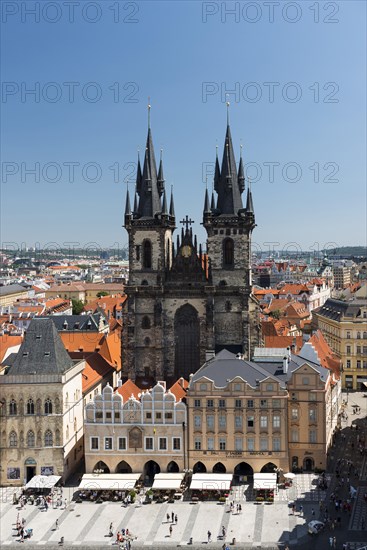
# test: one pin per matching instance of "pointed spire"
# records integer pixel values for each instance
(212, 204)
(149, 203)
(164, 205)
(228, 104)
(206, 202)
(195, 242)
(241, 174)
(228, 189)
(249, 202)
(149, 107)
(135, 202)
(160, 180)
(138, 174)
(172, 205)
(127, 205)
(217, 170)
(178, 242)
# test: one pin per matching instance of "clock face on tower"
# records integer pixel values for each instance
(186, 251)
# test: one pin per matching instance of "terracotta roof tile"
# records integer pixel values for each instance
(178, 389)
(128, 389)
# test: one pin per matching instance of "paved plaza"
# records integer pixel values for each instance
(259, 525)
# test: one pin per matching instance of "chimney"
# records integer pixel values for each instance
(209, 354)
(119, 383)
(285, 364)
(181, 382)
(289, 352)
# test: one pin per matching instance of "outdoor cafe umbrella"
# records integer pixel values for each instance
(289, 475)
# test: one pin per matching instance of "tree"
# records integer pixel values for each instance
(102, 293)
(78, 306)
(276, 314)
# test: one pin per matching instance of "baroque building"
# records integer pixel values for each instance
(185, 304)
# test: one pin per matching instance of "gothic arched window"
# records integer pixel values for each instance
(13, 439)
(147, 254)
(228, 253)
(12, 407)
(30, 406)
(30, 439)
(48, 406)
(48, 438)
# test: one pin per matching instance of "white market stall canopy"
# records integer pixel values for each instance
(42, 482)
(265, 481)
(211, 482)
(167, 481)
(113, 482)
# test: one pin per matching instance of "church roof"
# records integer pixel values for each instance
(42, 351)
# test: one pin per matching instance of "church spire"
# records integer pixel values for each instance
(160, 180)
(148, 190)
(228, 189)
(127, 205)
(172, 205)
(206, 202)
(164, 205)
(249, 202)
(241, 175)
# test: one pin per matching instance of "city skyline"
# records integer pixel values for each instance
(297, 113)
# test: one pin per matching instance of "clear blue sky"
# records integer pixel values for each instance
(169, 53)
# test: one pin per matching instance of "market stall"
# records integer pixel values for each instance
(210, 486)
(107, 486)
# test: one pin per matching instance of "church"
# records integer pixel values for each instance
(186, 304)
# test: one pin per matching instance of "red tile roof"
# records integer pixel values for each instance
(95, 370)
(7, 341)
(327, 357)
(128, 389)
(283, 342)
(178, 388)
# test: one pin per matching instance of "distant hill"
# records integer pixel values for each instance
(347, 251)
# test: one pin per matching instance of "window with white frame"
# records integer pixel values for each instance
(163, 444)
(312, 415)
(294, 414)
(294, 436)
(197, 421)
(276, 421)
(203, 387)
(238, 444)
(108, 444)
(263, 421)
(149, 444)
(197, 443)
(269, 387)
(238, 421)
(176, 443)
(263, 403)
(305, 380)
(263, 443)
(122, 444)
(210, 422)
(250, 444)
(237, 387)
(238, 403)
(312, 436)
(222, 421)
(210, 443)
(197, 403)
(276, 443)
(222, 443)
(222, 403)
(94, 443)
(250, 403)
(210, 403)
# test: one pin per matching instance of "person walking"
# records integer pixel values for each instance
(331, 542)
(168, 517)
(57, 524)
(223, 531)
(176, 519)
(173, 516)
(209, 536)
(170, 530)
(312, 512)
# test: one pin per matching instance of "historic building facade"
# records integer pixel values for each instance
(145, 434)
(182, 302)
(41, 409)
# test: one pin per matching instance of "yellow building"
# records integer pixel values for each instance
(11, 293)
(86, 292)
(260, 416)
(344, 325)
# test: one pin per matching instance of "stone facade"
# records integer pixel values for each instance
(182, 303)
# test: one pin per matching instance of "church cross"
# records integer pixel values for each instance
(187, 222)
